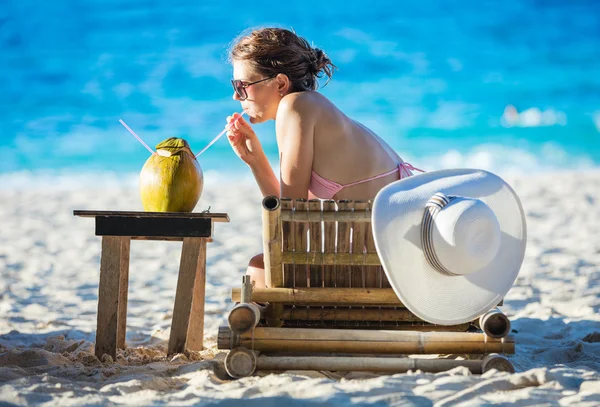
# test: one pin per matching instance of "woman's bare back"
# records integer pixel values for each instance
(346, 151)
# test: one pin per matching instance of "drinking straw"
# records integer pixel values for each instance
(220, 134)
(137, 137)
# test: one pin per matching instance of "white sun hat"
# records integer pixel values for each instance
(451, 242)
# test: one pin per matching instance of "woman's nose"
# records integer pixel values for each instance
(236, 96)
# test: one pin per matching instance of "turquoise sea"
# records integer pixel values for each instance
(437, 79)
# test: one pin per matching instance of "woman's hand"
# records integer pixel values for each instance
(243, 140)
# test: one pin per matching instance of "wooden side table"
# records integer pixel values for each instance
(117, 230)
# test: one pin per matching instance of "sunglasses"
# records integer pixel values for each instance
(240, 87)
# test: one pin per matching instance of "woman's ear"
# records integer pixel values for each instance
(284, 85)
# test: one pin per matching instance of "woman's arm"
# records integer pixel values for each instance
(295, 137)
(265, 176)
(246, 145)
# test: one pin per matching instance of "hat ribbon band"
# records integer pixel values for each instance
(435, 204)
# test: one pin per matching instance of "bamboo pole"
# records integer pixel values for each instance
(272, 242)
(272, 248)
(494, 323)
(323, 296)
(287, 234)
(346, 314)
(343, 246)
(243, 362)
(315, 245)
(328, 215)
(342, 259)
(498, 362)
(379, 364)
(300, 246)
(245, 315)
(419, 326)
(246, 289)
(240, 362)
(329, 231)
(365, 341)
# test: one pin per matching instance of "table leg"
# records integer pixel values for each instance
(195, 333)
(123, 291)
(188, 269)
(112, 263)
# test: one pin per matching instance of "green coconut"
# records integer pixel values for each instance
(171, 180)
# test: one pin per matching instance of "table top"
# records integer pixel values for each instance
(215, 217)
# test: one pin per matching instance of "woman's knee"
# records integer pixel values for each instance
(257, 261)
(256, 271)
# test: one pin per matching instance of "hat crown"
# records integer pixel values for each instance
(465, 235)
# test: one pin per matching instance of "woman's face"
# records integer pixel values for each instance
(263, 97)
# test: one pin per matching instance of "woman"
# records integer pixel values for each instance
(323, 153)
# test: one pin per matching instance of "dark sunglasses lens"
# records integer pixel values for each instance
(238, 86)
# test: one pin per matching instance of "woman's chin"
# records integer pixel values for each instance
(254, 119)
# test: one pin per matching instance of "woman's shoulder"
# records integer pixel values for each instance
(303, 102)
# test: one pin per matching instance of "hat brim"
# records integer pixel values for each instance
(430, 295)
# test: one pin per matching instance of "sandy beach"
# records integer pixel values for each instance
(49, 268)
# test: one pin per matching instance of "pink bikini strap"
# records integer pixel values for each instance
(408, 166)
(371, 178)
(404, 165)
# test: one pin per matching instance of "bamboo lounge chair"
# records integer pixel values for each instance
(329, 306)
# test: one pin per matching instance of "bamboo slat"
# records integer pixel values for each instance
(373, 273)
(323, 296)
(347, 314)
(359, 246)
(300, 245)
(288, 230)
(343, 246)
(315, 246)
(364, 341)
(329, 230)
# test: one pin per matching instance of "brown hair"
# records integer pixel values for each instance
(276, 50)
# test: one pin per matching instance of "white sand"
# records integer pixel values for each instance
(49, 266)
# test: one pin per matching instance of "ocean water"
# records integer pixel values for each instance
(435, 79)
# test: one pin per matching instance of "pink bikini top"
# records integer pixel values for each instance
(323, 188)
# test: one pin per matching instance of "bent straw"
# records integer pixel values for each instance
(137, 137)
(220, 134)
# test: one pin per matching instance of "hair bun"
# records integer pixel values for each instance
(319, 57)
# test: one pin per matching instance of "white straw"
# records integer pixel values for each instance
(137, 137)
(220, 134)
